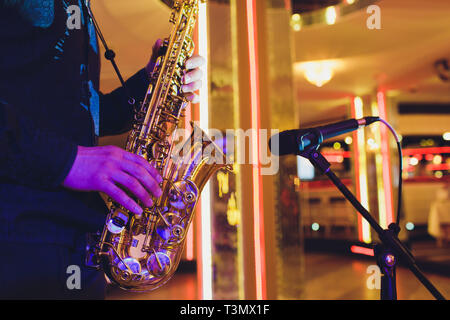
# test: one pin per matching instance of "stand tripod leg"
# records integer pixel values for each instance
(387, 263)
(388, 237)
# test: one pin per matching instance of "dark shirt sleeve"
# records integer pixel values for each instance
(116, 114)
(30, 156)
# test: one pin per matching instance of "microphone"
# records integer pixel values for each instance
(296, 141)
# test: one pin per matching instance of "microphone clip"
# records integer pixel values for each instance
(309, 142)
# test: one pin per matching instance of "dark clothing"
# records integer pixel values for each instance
(46, 271)
(49, 104)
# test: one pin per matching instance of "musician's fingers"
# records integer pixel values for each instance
(195, 61)
(134, 186)
(192, 97)
(121, 197)
(191, 87)
(157, 45)
(155, 53)
(141, 161)
(192, 76)
(143, 176)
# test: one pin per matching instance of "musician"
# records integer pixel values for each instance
(51, 169)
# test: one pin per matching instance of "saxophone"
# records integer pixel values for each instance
(142, 254)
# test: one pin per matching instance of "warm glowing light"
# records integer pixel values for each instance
(437, 159)
(438, 174)
(416, 151)
(318, 73)
(223, 183)
(358, 107)
(297, 27)
(446, 136)
(388, 216)
(337, 146)
(205, 199)
(335, 158)
(441, 166)
(361, 170)
(409, 226)
(373, 145)
(258, 213)
(190, 244)
(190, 233)
(413, 161)
(348, 140)
(233, 214)
(380, 190)
(362, 250)
(350, 1)
(427, 142)
(330, 15)
(296, 22)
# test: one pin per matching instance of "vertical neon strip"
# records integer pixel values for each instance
(258, 212)
(381, 191)
(362, 171)
(381, 99)
(357, 188)
(190, 234)
(206, 250)
(190, 243)
(236, 108)
(198, 221)
(357, 170)
(379, 169)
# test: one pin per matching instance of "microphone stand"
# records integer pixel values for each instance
(390, 248)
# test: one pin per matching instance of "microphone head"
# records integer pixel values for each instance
(285, 142)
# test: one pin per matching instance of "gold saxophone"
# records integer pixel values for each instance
(143, 254)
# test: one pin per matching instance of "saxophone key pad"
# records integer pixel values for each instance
(158, 263)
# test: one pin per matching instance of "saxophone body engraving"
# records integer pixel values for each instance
(143, 254)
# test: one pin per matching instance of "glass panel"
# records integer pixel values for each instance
(283, 115)
(225, 210)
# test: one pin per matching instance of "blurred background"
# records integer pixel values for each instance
(282, 64)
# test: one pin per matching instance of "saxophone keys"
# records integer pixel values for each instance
(163, 232)
(190, 197)
(178, 232)
(130, 264)
(117, 224)
(158, 263)
(182, 194)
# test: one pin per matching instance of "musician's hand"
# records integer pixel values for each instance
(191, 81)
(113, 171)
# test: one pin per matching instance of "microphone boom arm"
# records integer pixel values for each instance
(391, 244)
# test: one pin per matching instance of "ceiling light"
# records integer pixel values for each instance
(296, 22)
(296, 17)
(358, 105)
(318, 72)
(330, 15)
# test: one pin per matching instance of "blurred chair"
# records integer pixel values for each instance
(342, 215)
(439, 217)
(418, 197)
(316, 212)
